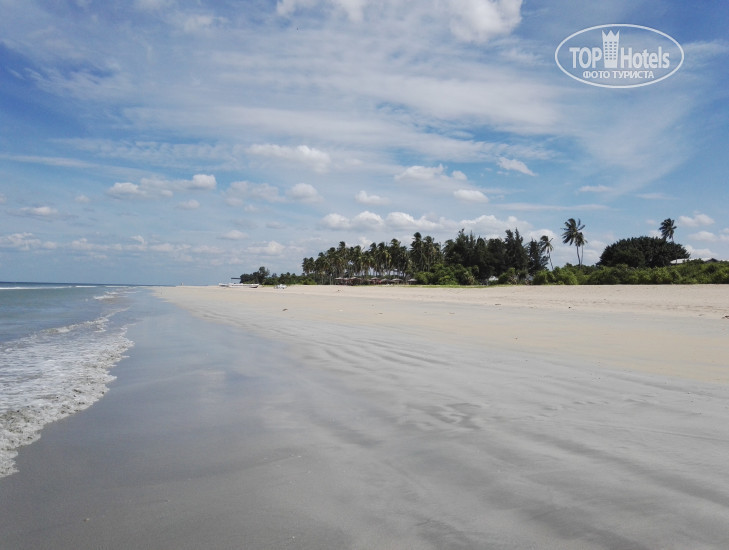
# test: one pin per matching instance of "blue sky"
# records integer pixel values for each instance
(176, 141)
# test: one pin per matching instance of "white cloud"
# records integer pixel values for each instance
(123, 190)
(235, 235)
(39, 211)
(515, 165)
(271, 248)
(367, 219)
(20, 241)
(696, 221)
(708, 236)
(489, 225)
(314, 158)
(201, 181)
(363, 198)
(402, 220)
(161, 188)
(304, 192)
(363, 220)
(192, 204)
(433, 176)
(421, 173)
(257, 191)
(595, 189)
(470, 20)
(470, 195)
(336, 221)
(699, 253)
(481, 20)
(82, 199)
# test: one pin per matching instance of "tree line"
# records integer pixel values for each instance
(468, 260)
(464, 260)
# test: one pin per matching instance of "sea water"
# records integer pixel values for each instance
(58, 343)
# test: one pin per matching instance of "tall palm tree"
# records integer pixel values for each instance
(416, 251)
(545, 243)
(668, 227)
(572, 235)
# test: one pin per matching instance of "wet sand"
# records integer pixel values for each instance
(340, 417)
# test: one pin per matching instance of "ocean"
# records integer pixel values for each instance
(58, 345)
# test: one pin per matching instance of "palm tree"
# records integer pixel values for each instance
(572, 235)
(545, 243)
(668, 227)
(431, 252)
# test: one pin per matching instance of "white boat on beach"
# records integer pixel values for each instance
(238, 285)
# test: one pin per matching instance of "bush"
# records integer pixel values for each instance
(543, 278)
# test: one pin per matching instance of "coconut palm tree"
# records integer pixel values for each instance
(572, 235)
(545, 243)
(668, 227)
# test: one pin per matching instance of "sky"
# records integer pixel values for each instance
(191, 141)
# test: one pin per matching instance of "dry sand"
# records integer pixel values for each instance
(394, 418)
(671, 330)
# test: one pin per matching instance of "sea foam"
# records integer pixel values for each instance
(51, 374)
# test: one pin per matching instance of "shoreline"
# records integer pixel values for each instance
(323, 420)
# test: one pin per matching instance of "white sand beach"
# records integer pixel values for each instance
(671, 330)
(394, 418)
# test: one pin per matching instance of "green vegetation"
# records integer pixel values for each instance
(465, 260)
(691, 272)
(642, 252)
(573, 235)
(471, 260)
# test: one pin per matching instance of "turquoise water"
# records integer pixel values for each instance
(58, 343)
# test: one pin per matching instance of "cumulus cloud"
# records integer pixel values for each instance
(402, 220)
(201, 181)
(317, 160)
(271, 248)
(304, 192)
(695, 221)
(20, 241)
(708, 236)
(39, 212)
(435, 176)
(490, 225)
(367, 220)
(363, 198)
(150, 188)
(335, 221)
(82, 199)
(515, 165)
(470, 195)
(125, 190)
(234, 235)
(363, 220)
